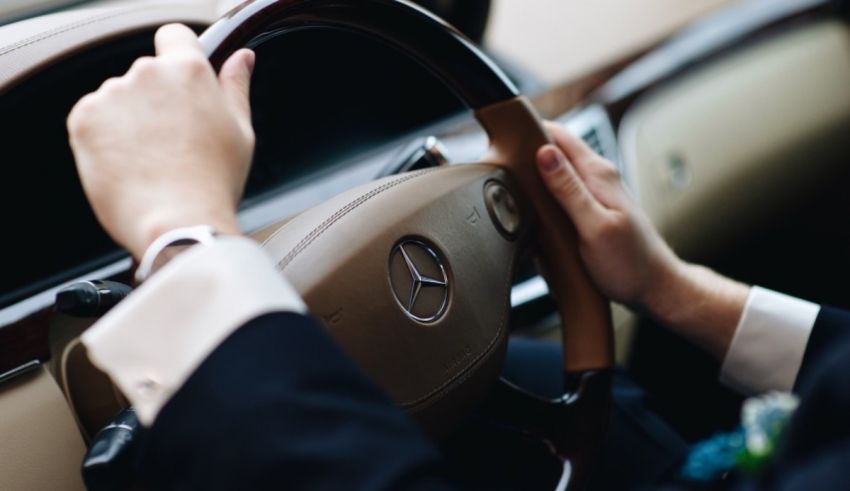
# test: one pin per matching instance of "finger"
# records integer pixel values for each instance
(142, 64)
(568, 188)
(177, 38)
(601, 177)
(78, 118)
(109, 84)
(574, 147)
(577, 151)
(235, 80)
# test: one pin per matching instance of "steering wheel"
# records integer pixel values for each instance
(412, 274)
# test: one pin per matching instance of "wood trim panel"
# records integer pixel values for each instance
(25, 341)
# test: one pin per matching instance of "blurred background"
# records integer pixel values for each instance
(556, 39)
(561, 39)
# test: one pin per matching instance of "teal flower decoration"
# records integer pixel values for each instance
(713, 458)
(749, 447)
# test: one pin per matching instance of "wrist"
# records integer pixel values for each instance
(172, 244)
(700, 304)
(154, 227)
(672, 286)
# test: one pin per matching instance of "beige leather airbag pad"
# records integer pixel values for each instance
(338, 256)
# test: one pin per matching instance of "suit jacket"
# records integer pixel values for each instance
(279, 406)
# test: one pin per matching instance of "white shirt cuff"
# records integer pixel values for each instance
(769, 342)
(151, 343)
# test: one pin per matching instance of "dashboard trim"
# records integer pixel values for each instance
(65, 33)
(20, 370)
(708, 36)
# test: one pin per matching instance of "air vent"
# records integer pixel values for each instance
(594, 127)
(592, 138)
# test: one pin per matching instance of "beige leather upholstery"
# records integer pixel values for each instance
(336, 256)
(562, 40)
(727, 144)
(25, 46)
(41, 447)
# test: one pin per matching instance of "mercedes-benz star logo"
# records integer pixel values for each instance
(419, 281)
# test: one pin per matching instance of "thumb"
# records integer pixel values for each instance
(568, 189)
(235, 80)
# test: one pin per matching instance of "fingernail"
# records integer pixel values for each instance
(550, 160)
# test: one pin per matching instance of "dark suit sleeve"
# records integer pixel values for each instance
(830, 334)
(279, 406)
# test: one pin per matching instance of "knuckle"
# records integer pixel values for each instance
(75, 123)
(551, 127)
(249, 137)
(168, 30)
(81, 115)
(570, 189)
(598, 186)
(110, 85)
(608, 229)
(584, 160)
(111, 88)
(165, 29)
(566, 185)
(144, 66)
(194, 66)
(616, 223)
(560, 184)
(608, 170)
(572, 195)
(587, 159)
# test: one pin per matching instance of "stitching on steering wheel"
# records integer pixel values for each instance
(324, 226)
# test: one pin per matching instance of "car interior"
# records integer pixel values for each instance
(730, 131)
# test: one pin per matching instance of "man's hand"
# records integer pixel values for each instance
(167, 145)
(621, 250)
(624, 254)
